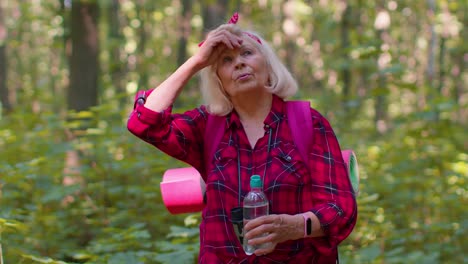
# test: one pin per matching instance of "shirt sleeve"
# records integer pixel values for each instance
(178, 135)
(334, 201)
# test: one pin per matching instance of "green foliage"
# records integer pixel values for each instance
(107, 207)
(417, 174)
(183, 244)
(92, 220)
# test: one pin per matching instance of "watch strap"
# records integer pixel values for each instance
(307, 225)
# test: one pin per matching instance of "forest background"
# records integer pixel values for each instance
(77, 187)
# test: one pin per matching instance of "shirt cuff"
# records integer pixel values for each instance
(327, 214)
(150, 117)
(330, 216)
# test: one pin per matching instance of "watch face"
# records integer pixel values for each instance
(309, 226)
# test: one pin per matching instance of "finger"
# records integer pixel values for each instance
(262, 252)
(231, 41)
(226, 42)
(258, 231)
(235, 40)
(270, 222)
(266, 219)
(253, 232)
(225, 37)
(259, 240)
(211, 52)
(265, 250)
(218, 50)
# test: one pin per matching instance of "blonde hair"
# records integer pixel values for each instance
(281, 82)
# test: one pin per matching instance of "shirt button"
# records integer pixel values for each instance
(141, 101)
(288, 158)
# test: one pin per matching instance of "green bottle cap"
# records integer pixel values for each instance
(255, 181)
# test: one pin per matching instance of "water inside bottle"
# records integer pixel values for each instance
(252, 212)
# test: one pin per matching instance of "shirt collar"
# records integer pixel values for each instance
(272, 120)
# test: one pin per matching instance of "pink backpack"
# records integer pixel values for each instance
(183, 189)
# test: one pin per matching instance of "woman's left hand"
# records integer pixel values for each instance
(280, 228)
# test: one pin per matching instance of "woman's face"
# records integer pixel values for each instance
(243, 69)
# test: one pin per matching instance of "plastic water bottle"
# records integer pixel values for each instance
(255, 205)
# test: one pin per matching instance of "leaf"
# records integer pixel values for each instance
(42, 260)
(369, 198)
(179, 256)
(82, 257)
(58, 193)
(82, 115)
(192, 220)
(365, 52)
(369, 253)
(125, 258)
(406, 85)
(8, 225)
(177, 231)
(396, 68)
(379, 91)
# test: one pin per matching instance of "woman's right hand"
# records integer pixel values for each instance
(215, 43)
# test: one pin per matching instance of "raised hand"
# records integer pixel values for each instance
(216, 42)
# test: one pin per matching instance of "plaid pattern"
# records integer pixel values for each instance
(290, 189)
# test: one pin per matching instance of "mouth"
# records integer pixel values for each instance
(243, 76)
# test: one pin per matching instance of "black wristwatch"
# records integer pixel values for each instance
(307, 225)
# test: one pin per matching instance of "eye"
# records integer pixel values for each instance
(226, 59)
(246, 52)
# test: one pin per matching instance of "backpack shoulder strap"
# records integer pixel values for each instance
(300, 124)
(213, 133)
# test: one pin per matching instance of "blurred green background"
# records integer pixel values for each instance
(77, 187)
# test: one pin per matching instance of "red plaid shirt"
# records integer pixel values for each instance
(288, 185)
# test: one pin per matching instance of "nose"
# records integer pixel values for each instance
(239, 62)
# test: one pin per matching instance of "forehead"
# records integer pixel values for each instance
(248, 39)
(246, 44)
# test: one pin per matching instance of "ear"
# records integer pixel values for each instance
(268, 82)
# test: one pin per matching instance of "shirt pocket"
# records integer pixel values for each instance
(221, 180)
(225, 161)
(285, 181)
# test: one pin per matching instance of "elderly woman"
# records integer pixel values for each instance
(244, 82)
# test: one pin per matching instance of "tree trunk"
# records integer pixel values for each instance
(214, 14)
(83, 90)
(117, 69)
(142, 13)
(345, 43)
(362, 82)
(84, 63)
(84, 67)
(4, 94)
(184, 29)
